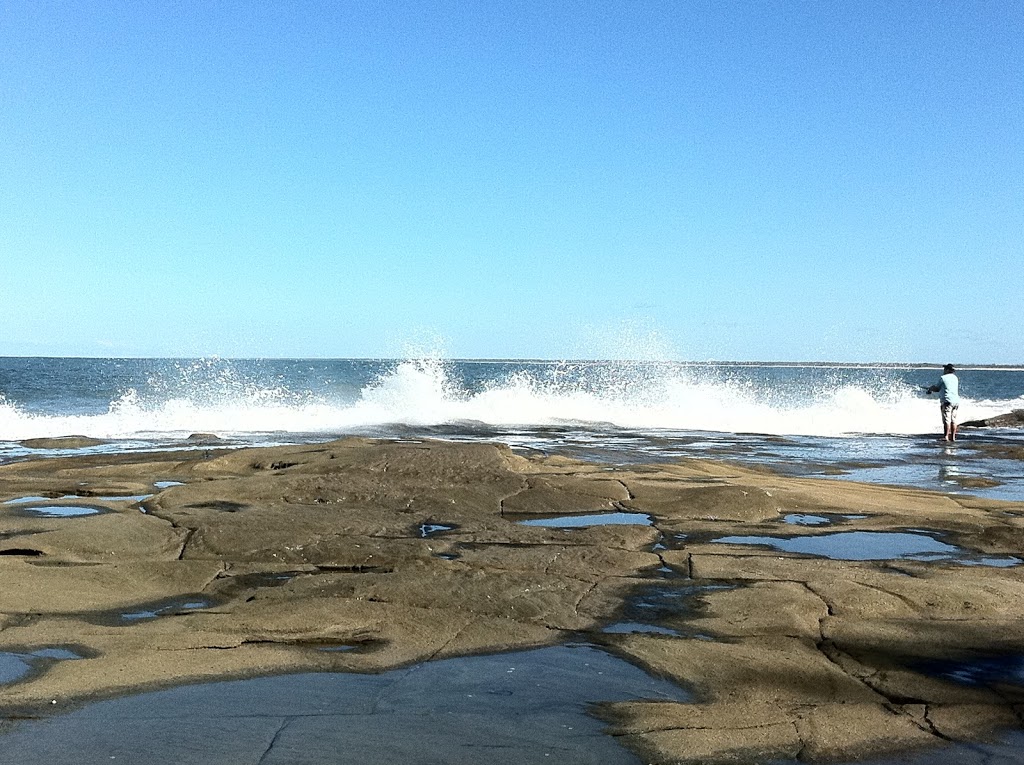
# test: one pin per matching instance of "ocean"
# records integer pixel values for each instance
(859, 422)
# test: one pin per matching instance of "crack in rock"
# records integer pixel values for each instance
(646, 731)
(273, 741)
(831, 653)
(452, 639)
(553, 561)
(503, 500)
(799, 756)
(576, 606)
(184, 543)
(926, 717)
(828, 606)
(902, 598)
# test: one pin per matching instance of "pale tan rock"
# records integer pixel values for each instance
(561, 494)
(857, 730)
(968, 722)
(34, 588)
(405, 552)
(763, 608)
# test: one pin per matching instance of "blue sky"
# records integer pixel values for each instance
(692, 180)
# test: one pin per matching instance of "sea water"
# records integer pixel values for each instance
(864, 422)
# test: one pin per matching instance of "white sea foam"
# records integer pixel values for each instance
(427, 392)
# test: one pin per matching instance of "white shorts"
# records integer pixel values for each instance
(948, 414)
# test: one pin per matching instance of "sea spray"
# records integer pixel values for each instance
(171, 399)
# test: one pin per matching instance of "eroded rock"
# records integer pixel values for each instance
(263, 556)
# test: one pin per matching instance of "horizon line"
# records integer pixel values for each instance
(541, 360)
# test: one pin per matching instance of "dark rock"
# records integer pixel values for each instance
(62, 442)
(204, 438)
(1014, 419)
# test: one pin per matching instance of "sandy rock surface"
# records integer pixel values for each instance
(258, 561)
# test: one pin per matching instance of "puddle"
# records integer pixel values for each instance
(672, 541)
(504, 709)
(118, 498)
(664, 605)
(148, 611)
(621, 628)
(62, 511)
(167, 610)
(231, 586)
(871, 545)
(429, 529)
(983, 672)
(13, 667)
(16, 665)
(30, 500)
(596, 519)
(166, 484)
(823, 519)
(799, 519)
(1006, 561)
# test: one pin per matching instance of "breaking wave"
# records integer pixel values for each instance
(424, 393)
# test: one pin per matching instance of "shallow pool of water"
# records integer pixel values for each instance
(802, 519)
(166, 609)
(872, 545)
(505, 709)
(430, 529)
(151, 610)
(1004, 561)
(853, 545)
(14, 665)
(625, 628)
(595, 519)
(983, 671)
(30, 500)
(61, 511)
(664, 604)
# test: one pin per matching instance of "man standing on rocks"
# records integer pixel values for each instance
(948, 389)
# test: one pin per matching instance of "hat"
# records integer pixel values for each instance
(948, 368)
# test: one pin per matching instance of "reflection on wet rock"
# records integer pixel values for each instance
(869, 545)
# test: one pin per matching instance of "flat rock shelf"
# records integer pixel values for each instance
(335, 577)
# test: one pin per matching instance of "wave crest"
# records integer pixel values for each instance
(435, 392)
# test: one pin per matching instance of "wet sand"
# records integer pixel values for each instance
(361, 556)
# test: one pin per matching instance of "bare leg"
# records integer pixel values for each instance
(947, 422)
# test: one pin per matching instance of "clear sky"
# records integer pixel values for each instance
(700, 180)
